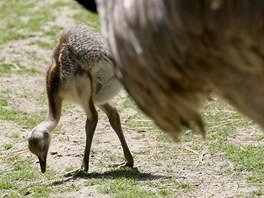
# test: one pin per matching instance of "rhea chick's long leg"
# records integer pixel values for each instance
(90, 125)
(114, 120)
(84, 88)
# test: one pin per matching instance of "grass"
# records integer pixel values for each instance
(13, 135)
(7, 146)
(248, 158)
(21, 117)
(21, 172)
(19, 8)
(6, 69)
(129, 183)
(159, 165)
(125, 188)
(43, 44)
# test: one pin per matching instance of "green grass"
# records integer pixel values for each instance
(6, 69)
(19, 8)
(13, 135)
(247, 158)
(185, 186)
(24, 180)
(129, 183)
(7, 146)
(125, 188)
(16, 182)
(43, 44)
(85, 17)
(30, 17)
(250, 159)
(21, 117)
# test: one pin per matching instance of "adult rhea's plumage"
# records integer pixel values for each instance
(168, 54)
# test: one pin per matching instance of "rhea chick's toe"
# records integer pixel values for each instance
(38, 144)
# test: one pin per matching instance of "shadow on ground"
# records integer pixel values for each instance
(128, 173)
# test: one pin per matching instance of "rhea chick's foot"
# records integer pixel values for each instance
(81, 72)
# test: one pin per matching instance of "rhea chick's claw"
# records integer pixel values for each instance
(81, 72)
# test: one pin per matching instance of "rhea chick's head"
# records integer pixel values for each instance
(38, 144)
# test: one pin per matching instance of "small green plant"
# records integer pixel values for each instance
(184, 186)
(13, 135)
(5, 184)
(7, 146)
(3, 102)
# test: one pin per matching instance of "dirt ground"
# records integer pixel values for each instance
(211, 174)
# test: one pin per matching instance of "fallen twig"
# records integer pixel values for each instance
(200, 155)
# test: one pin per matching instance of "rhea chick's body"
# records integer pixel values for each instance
(81, 72)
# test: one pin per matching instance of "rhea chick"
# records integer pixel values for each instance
(81, 72)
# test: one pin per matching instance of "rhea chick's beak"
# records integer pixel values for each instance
(43, 163)
(38, 144)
